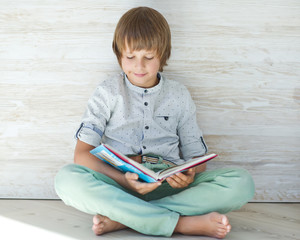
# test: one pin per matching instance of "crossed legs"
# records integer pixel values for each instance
(200, 207)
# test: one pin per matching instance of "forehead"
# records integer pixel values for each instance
(134, 48)
(141, 51)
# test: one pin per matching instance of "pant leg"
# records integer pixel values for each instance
(221, 190)
(95, 193)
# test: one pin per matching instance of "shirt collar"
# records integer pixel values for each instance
(142, 90)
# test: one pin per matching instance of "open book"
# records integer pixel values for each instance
(125, 164)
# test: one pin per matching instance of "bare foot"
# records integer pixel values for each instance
(103, 225)
(213, 225)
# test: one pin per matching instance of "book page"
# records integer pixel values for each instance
(189, 164)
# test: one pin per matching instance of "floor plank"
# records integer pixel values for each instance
(51, 218)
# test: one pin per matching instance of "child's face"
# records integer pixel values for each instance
(141, 67)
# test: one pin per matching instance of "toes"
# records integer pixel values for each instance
(221, 233)
(98, 229)
(96, 219)
(228, 228)
(224, 220)
(220, 218)
(98, 225)
(94, 228)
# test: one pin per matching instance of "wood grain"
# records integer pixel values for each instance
(240, 61)
(267, 221)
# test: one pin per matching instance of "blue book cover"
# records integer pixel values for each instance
(107, 156)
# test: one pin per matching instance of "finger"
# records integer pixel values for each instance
(148, 187)
(181, 177)
(152, 186)
(172, 182)
(175, 183)
(188, 176)
(191, 171)
(180, 180)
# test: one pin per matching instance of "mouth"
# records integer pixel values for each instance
(140, 74)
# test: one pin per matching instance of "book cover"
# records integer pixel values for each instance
(125, 164)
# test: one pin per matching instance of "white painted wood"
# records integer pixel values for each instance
(44, 219)
(239, 59)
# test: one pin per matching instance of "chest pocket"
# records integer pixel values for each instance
(167, 121)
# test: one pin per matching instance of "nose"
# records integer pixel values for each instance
(140, 63)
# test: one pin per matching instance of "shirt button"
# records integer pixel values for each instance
(147, 127)
(145, 91)
(145, 103)
(144, 147)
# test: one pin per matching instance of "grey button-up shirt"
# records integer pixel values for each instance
(160, 120)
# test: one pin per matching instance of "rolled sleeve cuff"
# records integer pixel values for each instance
(194, 149)
(89, 134)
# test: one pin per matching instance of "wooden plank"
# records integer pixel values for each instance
(240, 61)
(274, 169)
(259, 220)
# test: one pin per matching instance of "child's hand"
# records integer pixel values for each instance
(134, 184)
(181, 180)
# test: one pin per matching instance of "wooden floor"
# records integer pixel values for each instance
(51, 219)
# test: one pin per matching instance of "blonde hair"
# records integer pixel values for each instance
(143, 28)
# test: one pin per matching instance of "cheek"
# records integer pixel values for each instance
(124, 64)
(155, 65)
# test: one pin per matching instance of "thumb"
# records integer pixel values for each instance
(131, 176)
(190, 171)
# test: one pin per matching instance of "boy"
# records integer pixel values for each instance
(140, 113)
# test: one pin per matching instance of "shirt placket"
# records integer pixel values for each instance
(146, 122)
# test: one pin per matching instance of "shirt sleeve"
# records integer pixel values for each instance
(96, 116)
(190, 136)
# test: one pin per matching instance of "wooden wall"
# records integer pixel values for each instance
(239, 59)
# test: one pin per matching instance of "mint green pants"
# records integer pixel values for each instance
(155, 213)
